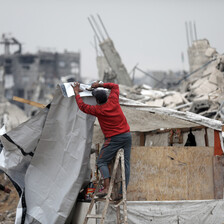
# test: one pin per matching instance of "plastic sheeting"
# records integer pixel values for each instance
(47, 158)
(172, 212)
(188, 116)
(184, 117)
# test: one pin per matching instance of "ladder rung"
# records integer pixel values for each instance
(99, 199)
(94, 216)
(110, 200)
(119, 203)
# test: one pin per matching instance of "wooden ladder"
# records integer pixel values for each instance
(107, 199)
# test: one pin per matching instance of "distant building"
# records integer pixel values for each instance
(31, 76)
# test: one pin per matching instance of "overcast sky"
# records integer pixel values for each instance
(151, 33)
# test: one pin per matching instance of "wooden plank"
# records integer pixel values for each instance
(218, 168)
(94, 216)
(32, 103)
(171, 173)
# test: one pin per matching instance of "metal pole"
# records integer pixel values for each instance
(103, 26)
(94, 30)
(186, 26)
(191, 34)
(97, 27)
(195, 31)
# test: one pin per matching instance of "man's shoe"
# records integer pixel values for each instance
(101, 194)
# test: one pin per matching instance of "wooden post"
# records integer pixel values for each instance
(32, 103)
(218, 176)
(142, 139)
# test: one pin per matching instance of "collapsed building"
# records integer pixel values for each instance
(200, 92)
(110, 65)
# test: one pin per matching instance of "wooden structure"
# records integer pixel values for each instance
(108, 199)
(175, 173)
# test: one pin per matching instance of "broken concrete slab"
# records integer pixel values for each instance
(197, 83)
(154, 94)
(155, 103)
(210, 52)
(200, 106)
(184, 107)
(215, 75)
(204, 97)
(176, 99)
(209, 70)
(205, 88)
(183, 95)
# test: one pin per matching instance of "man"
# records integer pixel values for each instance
(114, 127)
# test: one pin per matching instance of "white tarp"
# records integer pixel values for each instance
(170, 212)
(47, 158)
(2, 130)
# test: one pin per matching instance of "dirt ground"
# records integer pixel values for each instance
(8, 202)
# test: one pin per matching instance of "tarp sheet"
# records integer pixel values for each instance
(47, 158)
(170, 212)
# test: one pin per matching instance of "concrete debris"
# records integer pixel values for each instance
(197, 83)
(176, 99)
(196, 54)
(210, 52)
(205, 88)
(118, 71)
(200, 105)
(215, 75)
(155, 103)
(201, 93)
(154, 94)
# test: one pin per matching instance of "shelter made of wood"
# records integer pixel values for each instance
(162, 167)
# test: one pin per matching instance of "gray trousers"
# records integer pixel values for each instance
(109, 150)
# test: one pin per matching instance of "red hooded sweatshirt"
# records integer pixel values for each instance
(111, 118)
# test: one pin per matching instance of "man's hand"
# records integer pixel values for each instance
(76, 88)
(96, 85)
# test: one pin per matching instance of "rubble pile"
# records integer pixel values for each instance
(153, 97)
(201, 92)
(207, 92)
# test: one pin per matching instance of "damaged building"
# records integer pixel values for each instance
(201, 91)
(34, 76)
